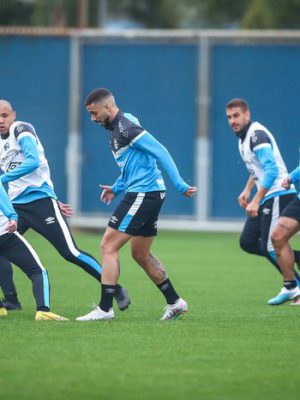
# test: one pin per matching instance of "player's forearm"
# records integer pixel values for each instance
(259, 195)
(31, 162)
(118, 186)
(249, 185)
(266, 158)
(6, 206)
(150, 145)
(295, 175)
(27, 166)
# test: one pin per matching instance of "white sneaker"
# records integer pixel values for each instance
(284, 295)
(173, 311)
(97, 314)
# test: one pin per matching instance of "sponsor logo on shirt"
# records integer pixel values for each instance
(10, 155)
(121, 129)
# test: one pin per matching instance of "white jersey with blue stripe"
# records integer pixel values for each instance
(23, 161)
(263, 160)
(136, 152)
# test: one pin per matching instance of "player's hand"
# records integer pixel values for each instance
(252, 209)
(12, 226)
(286, 183)
(107, 194)
(66, 209)
(243, 199)
(190, 191)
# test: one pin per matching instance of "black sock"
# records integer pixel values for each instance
(43, 308)
(168, 291)
(107, 297)
(12, 297)
(290, 284)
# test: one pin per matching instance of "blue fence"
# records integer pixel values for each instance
(157, 82)
(34, 77)
(268, 77)
(150, 83)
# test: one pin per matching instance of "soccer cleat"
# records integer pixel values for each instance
(49, 316)
(97, 314)
(122, 298)
(3, 311)
(284, 295)
(11, 306)
(173, 311)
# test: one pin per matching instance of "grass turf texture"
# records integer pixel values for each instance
(231, 345)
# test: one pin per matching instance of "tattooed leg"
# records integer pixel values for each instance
(140, 250)
(155, 269)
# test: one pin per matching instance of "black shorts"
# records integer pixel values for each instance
(259, 229)
(137, 214)
(292, 210)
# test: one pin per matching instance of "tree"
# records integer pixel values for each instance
(272, 14)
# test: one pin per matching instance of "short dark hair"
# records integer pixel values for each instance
(97, 95)
(238, 103)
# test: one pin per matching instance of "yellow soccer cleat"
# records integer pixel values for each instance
(49, 316)
(3, 312)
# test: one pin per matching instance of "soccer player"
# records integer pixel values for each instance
(136, 152)
(26, 171)
(266, 167)
(288, 224)
(17, 250)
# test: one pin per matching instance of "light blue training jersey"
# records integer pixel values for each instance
(137, 152)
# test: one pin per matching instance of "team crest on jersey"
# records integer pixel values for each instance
(6, 146)
(20, 128)
(254, 139)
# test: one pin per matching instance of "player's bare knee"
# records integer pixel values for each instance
(106, 248)
(277, 239)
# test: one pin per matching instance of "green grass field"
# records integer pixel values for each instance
(231, 345)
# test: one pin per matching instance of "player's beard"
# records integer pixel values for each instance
(105, 123)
